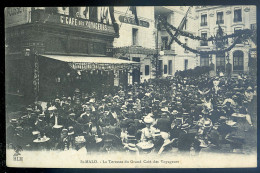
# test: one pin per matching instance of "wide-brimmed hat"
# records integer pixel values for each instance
(64, 131)
(116, 97)
(123, 107)
(29, 109)
(185, 126)
(223, 118)
(80, 139)
(14, 121)
(148, 120)
(71, 130)
(131, 146)
(19, 128)
(87, 108)
(164, 114)
(57, 100)
(175, 112)
(249, 88)
(207, 123)
(165, 109)
(41, 116)
(145, 145)
(52, 108)
(186, 114)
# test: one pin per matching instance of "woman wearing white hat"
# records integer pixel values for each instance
(147, 133)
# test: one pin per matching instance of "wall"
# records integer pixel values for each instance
(248, 18)
(181, 54)
(145, 37)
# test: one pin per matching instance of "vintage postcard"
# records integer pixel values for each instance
(131, 86)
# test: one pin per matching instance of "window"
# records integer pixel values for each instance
(186, 64)
(237, 15)
(93, 14)
(147, 70)
(161, 27)
(253, 26)
(203, 20)
(134, 35)
(204, 43)
(170, 67)
(136, 59)
(165, 69)
(160, 67)
(73, 11)
(220, 62)
(132, 9)
(238, 60)
(204, 60)
(220, 18)
(237, 30)
(164, 43)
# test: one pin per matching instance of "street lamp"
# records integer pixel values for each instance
(161, 53)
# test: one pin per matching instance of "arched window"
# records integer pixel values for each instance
(238, 60)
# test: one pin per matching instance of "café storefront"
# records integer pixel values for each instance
(50, 54)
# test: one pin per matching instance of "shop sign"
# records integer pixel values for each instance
(16, 16)
(65, 20)
(82, 23)
(132, 21)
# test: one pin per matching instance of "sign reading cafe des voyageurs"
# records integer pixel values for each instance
(21, 15)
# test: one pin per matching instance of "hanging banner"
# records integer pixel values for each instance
(16, 16)
(132, 21)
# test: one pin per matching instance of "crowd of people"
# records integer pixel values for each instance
(174, 115)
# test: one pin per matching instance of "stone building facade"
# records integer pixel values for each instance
(136, 40)
(181, 58)
(230, 19)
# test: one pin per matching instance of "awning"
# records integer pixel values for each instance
(94, 63)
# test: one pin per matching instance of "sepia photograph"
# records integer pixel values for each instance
(131, 86)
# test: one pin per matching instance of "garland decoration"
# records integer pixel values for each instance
(241, 34)
(191, 36)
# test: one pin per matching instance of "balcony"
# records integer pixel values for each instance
(220, 22)
(204, 24)
(237, 20)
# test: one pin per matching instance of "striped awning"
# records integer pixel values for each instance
(94, 63)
